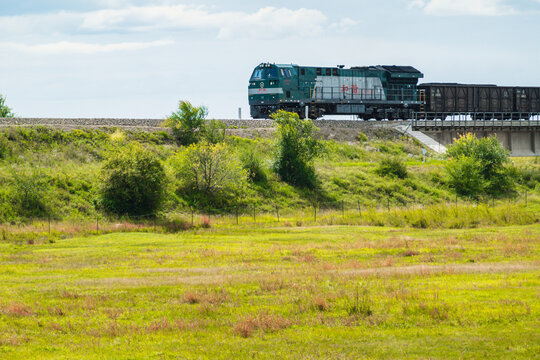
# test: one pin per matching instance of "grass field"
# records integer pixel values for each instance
(249, 292)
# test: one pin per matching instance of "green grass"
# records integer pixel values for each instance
(272, 291)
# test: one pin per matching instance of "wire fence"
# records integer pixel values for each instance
(342, 212)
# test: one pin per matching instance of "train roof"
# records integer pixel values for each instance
(457, 84)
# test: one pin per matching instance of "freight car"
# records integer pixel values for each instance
(506, 102)
(379, 92)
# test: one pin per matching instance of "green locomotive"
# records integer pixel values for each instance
(379, 92)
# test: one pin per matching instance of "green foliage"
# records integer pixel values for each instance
(296, 149)
(361, 137)
(209, 174)
(392, 167)
(30, 194)
(5, 111)
(530, 178)
(133, 182)
(215, 131)
(187, 123)
(478, 166)
(465, 177)
(253, 164)
(5, 148)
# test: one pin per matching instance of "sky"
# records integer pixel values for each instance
(139, 58)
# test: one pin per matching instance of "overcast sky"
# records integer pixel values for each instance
(138, 58)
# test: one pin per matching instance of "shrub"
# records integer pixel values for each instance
(296, 149)
(209, 172)
(215, 131)
(187, 123)
(392, 167)
(133, 182)
(253, 164)
(464, 177)
(361, 137)
(30, 195)
(478, 166)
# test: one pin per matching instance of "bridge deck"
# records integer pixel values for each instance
(456, 124)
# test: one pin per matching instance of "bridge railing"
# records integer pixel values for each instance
(475, 120)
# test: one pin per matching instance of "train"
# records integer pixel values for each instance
(379, 92)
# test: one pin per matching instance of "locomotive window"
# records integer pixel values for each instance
(282, 73)
(257, 74)
(271, 73)
(319, 71)
(328, 72)
(334, 72)
(303, 71)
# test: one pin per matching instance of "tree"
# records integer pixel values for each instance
(188, 123)
(478, 166)
(210, 170)
(296, 149)
(133, 182)
(5, 111)
(30, 194)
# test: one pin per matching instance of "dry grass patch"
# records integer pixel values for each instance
(17, 310)
(264, 322)
(213, 297)
(320, 304)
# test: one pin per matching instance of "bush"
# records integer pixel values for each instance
(361, 137)
(296, 149)
(215, 131)
(253, 164)
(133, 182)
(478, 166)
(209, 172)
(187, 123)
(392, 167)
(30, 195)
(465, 177)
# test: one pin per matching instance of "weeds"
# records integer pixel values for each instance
(264, 322)
(360, 304)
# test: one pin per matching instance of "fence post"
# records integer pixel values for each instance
(49, 217)
(359, 209)
(342, 208)
(526, 198)
(388, 204)
(236, 214)
(97, 223)
(315, 210)
(192, 215)
(277, 212)
(254, 216)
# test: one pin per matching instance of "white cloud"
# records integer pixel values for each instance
(266, 23)
(464, 7)
(85, 48)
(344, 25)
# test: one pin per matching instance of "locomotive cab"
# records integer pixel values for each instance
(269, 85)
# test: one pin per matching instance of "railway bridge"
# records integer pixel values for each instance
(521, 137)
